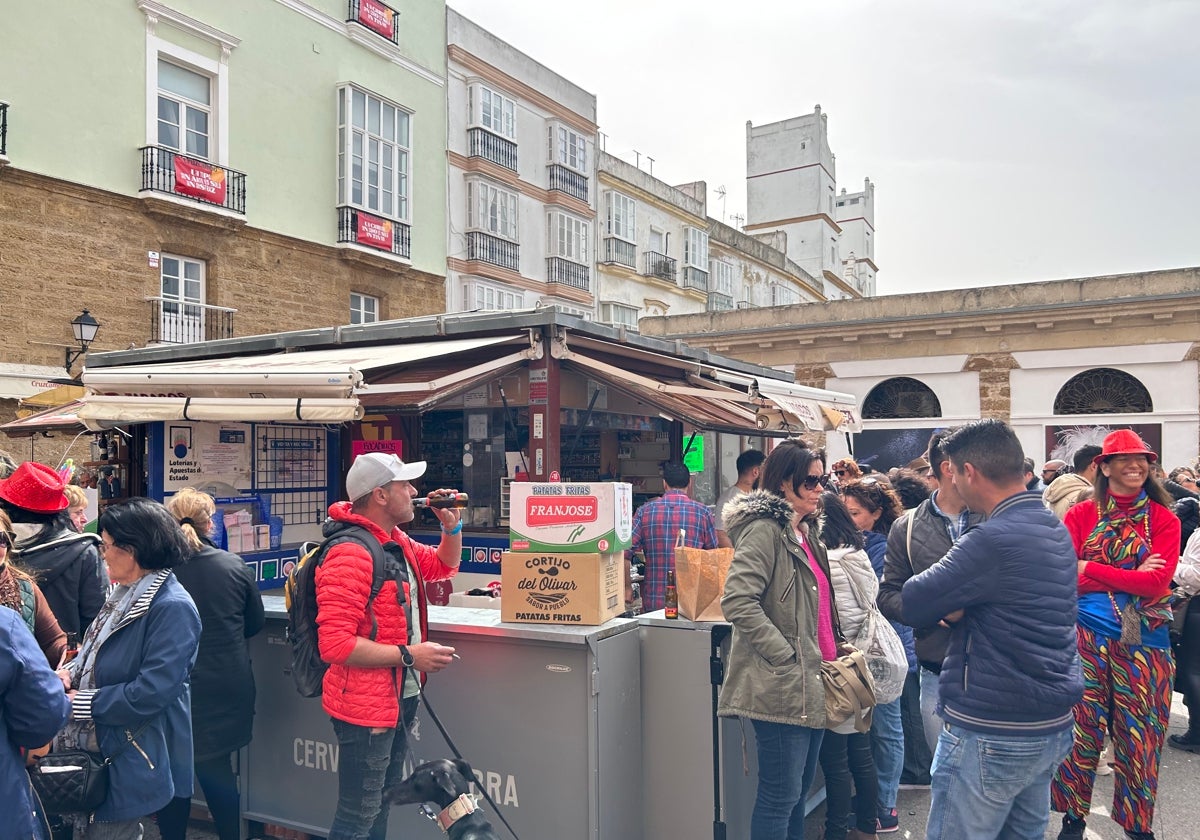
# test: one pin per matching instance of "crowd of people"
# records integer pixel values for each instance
(1043, 615)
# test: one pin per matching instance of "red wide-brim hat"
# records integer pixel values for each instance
(1124, 442)
(34, 487)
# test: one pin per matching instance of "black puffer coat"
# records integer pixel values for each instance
(68, 570)
(231, 611)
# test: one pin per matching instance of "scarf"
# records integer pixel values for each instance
(10, 592)
(1121, 539)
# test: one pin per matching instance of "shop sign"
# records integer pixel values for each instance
(377, 17)
(361, 447)
(199, 180)
(374, 231)
(539, 386)
(693, 456)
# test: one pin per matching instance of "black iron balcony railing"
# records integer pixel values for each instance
(568, 181)
(167, 171)
(492, 147)
(371, 231)
(380, 18)
(619, 251)
(3, 129)
(492, 249)
(659, 265)
(573, 274)
(695, 278)
(179, 322)
(719, 302)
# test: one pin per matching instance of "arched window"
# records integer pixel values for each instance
(900, 397)
(1103, 391)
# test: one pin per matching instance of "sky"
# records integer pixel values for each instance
(1009, 142)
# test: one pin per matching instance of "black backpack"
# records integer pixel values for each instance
(300, 596)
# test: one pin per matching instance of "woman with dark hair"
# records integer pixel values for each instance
(231, 611)
(1127, 541)
(846, 760)
(779, 601)
(129, 685)
(874, 507)
(65, 563)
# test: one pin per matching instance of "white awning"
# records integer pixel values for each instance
(99, 412)
(20, 381)
(336, 373)
(813, 408)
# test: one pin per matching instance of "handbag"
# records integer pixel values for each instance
(75, 781)
(849, 690)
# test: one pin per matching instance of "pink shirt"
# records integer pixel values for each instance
(825, 637)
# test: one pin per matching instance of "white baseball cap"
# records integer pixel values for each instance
(375, 469)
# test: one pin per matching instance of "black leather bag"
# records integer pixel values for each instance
(71, 782)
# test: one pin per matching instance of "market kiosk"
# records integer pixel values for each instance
(269, 425)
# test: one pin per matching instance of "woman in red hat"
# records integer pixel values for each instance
(65, 563)
(1127, 540)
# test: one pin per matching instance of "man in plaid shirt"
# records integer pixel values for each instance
(656, 527)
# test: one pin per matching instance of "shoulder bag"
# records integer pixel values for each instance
(75, 781)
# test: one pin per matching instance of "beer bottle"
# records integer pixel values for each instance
(444, 501)
(671, 602)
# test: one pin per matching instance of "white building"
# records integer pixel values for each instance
(521, 193)
(855, 214)
(791, 180)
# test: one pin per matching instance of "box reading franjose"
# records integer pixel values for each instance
(569, 517)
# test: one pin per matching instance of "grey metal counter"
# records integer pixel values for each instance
(546, 715)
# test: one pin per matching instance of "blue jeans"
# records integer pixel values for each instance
(993, 786)
(929, 716)
(887, 743)
(367, 763)
(787, 761)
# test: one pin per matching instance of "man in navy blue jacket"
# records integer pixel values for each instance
(1011, 674)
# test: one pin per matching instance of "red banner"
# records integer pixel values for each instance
(374, 231)
(199, 180)
(378, 17)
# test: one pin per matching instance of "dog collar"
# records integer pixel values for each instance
(456, 810)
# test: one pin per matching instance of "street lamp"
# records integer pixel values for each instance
(85, 328)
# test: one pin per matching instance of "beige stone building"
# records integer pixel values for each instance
(1054, 359)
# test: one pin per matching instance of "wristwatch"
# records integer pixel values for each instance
(406, 657)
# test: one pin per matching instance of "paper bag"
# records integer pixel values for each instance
(700, 581)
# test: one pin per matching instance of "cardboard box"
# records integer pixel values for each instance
(568, 517)
(462, 599)
(561, 588)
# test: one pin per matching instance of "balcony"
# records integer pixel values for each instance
(694, 278)
(380, 18)
(573, 274)
(620, 252)
(493, 147)
(719, 302)
(568, 181)
(362, 228)
(3, 132)
(494, 250)
(167, 171)
(180, 322)
(658, 265)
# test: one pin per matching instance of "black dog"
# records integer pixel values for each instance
(443, 782)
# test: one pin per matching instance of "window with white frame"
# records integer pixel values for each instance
(493, 111)
(568, 148)
(364, 309)
(782, 295)
(492, 209)
(622, 216)
(567, 237)
(181, 317)
(695, 248)
(720, 274)
(374, 153)
(485, 297)
(619, 314)
(184, 110)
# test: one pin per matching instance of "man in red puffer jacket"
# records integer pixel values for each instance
(370, 690)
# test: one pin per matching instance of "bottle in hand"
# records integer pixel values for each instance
(671, 600)
(445, 500)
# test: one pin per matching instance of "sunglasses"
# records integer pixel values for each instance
(811, 482)
(6, 539)
(840, 473)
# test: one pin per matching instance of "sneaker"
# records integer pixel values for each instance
(1072, 829)
(888, 823)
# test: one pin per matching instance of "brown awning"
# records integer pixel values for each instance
(60, 418)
